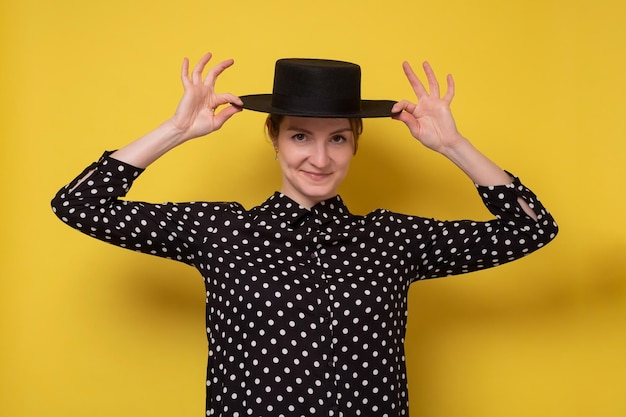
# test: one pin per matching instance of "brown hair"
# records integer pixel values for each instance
(272, 125)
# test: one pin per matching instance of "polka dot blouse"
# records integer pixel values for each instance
(306, 309)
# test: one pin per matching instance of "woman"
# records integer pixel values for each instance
(306, 302)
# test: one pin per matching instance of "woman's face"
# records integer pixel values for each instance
(314, 156)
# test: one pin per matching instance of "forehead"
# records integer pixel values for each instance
(314, 124)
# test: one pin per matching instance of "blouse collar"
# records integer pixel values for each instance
(283, 207)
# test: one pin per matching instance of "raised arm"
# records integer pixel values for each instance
(195, 115)
(431, 122)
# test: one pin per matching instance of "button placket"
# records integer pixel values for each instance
(322, 240)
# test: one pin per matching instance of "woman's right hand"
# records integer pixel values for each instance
(196, 113)
(194, 117)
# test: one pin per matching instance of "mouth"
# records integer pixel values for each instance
(317, 176)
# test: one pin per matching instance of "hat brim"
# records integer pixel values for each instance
(369, 108)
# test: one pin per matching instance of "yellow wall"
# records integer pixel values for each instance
(92, 330)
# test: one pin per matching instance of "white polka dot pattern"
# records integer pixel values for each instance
(306, 309)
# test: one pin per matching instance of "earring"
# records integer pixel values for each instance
(276, 156)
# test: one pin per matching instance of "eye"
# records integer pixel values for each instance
(338, 139)
(298, 137)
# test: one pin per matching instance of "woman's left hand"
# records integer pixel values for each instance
(432, 123)
(430, 120)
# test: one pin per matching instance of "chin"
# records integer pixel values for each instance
(317, 197)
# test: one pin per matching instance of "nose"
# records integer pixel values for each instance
(320, 157)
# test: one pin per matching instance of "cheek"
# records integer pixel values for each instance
(289, 151)
(345, 157)
(281, 144)
(288, 156)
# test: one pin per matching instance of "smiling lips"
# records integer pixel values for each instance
(316, 176)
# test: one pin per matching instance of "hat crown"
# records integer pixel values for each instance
(317, 86)
(311, 87)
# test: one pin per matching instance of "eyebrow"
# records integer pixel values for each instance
(300, 129)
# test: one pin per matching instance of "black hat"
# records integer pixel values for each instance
(317, 88)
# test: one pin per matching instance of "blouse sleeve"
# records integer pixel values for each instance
(456, 247)
(92, 204)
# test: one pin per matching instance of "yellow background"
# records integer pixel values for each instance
(92, 330)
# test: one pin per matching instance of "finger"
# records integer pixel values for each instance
(196, 75)
(417, 85)
(410, 122)
(184, 73)
(403, 105)
(227, 98)
(450, 91)
(433, 84)
(215, 72)
(221, 117)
